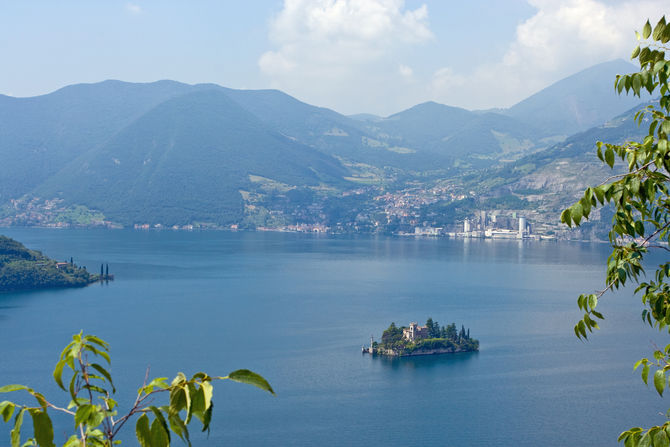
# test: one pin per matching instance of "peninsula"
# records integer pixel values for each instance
(24, 269)
(430, 339)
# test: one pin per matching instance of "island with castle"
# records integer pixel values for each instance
(430, 339)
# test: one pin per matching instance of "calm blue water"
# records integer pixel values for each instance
(297, 308)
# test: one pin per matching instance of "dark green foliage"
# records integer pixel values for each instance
(23, 269)
(391, 335)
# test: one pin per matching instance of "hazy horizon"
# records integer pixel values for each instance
(378, 56)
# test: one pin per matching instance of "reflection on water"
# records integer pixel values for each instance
(446, 361)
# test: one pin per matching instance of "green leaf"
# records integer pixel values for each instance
(15, 435)
(161, 419)
(636, 52)
(661, 439)
(207, 417)
(44, 431)
(639, 228)
(593, 301)
(658, 29)
(82, 414)
(105, 373)
(177, 425)
(58, 374)
(600, 194)
(92, 338)
(73, 441)
(645, 441)
(646, 30)
(208, 391)
(73, 393)
(250, 378)
(645, 374)
(158, 382)
(197, 402)
(609, 157)
(97, 351)
(10, 388)
(6, 410)
(178, 400)
(565, 217)
(659, 381)
(576, 213)
(160, 437)
(143, 431)
(637, 83)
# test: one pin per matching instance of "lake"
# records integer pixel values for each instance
(297, 309)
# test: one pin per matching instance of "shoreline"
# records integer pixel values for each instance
(317, 233)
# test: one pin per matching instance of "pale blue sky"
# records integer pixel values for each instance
(376, 56)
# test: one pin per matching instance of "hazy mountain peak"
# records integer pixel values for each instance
(578, 102)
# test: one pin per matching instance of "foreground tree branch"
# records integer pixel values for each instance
(641, 219)
(94, 409)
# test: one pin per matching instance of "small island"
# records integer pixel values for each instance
(24, 269)
(430, 339)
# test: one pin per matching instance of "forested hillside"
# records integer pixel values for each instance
(23, 269)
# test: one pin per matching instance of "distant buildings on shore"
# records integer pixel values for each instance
(487, 226)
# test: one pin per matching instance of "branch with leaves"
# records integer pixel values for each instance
(641, 219)
(95, 412)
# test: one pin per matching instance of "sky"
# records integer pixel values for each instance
(354, 56)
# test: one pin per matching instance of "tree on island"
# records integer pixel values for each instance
(641, 221)
(95, 413)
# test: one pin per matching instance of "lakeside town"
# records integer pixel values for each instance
(442, 210)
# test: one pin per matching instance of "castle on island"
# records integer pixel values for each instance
(414, 332)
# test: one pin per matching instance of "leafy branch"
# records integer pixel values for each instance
(94, 410)
(641, 219)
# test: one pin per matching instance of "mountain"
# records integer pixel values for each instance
(186, 161)
(40, 135)
(175, 154)
(318, 127)
(454, 135)
(578, 102)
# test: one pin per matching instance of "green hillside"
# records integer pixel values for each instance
(186, 161)
(40, 135)
(23, 269)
